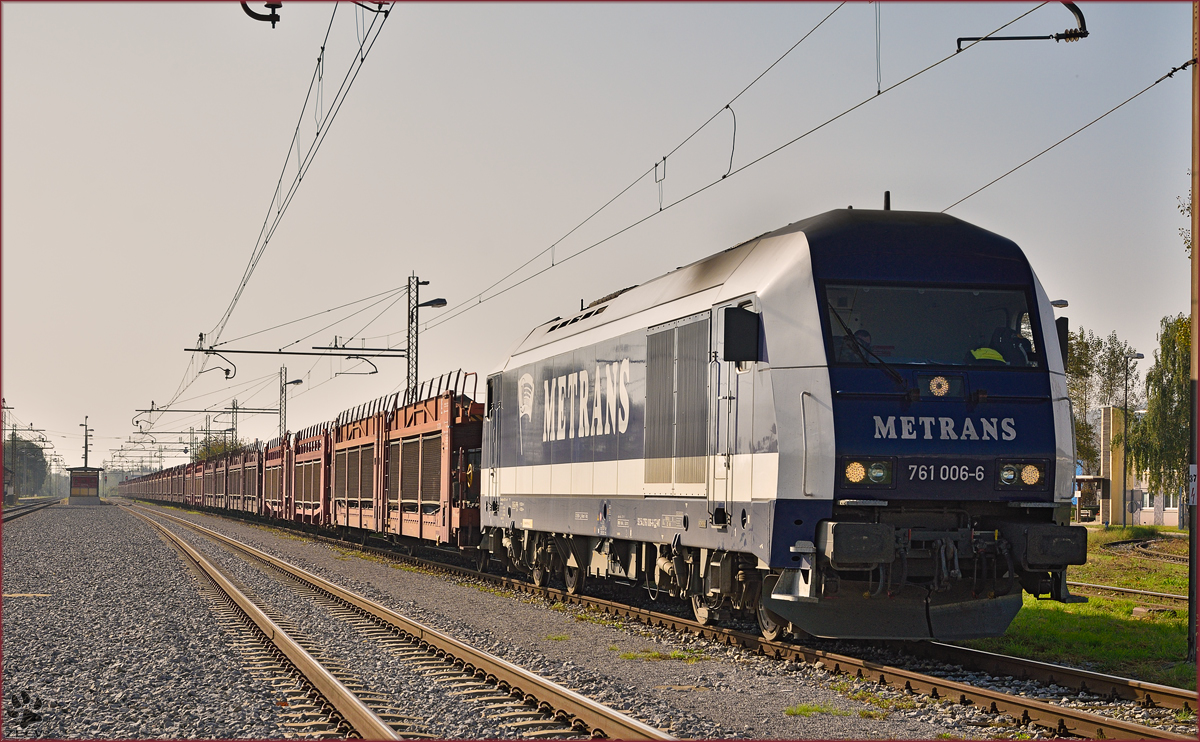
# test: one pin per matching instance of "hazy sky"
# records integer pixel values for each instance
(142, 144)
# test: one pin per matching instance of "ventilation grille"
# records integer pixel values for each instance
(431, 468)
(677, 404)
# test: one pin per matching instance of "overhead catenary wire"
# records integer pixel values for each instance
(266, 234)
(280, 200)
(483, 296)
(551, 248)
(263, 238)
(479, 299)
(285, 201)
(1180, 68)
(878, 59)
(403, 293)
(387, 293)
(228, 391)
(253, 388)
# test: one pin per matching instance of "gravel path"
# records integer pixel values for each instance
(105, 636)
(697, 688)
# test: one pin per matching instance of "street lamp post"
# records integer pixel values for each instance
(415, 303)
(86, 431)
(283, 392)
(1125, 441)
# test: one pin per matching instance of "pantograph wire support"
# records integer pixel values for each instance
(732, 149)
(374, 368)
(273, 17)
(1071, 34)
(659, 180)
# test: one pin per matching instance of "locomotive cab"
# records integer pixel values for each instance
(953, 455)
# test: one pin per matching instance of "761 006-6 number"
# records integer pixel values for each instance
(945, 473)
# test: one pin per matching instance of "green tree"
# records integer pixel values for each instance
(215, 447)
(28, 464)
(1083, 351)
(1095, 378)
(1111, 365)
(1158, 443)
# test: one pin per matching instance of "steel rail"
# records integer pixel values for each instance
(599, 720)
(365, 722)
(1061, 719)
(1169, 596)
(17, 512)
(1148, 695)
(1140, 547)
(1144, 550)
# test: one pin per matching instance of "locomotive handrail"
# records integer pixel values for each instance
(804, 438)
(870, 395)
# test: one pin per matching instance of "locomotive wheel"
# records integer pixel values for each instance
(540, 576)
(482, 557)
(704, 609)
(772, 626)
(573, 577)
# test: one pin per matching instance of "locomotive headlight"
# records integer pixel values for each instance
(1008, 474)
(1022, 474)
(879, 472)
(1030, 474)
(855, 472)
(867, 472)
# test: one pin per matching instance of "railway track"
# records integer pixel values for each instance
(16, 512)
(345, 712)
(515, 698)
(1142, 548)
(1103, 590)
(1061, 719)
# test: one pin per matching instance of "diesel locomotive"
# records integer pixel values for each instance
(855, 426)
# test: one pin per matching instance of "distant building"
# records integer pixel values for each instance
(1140, 506)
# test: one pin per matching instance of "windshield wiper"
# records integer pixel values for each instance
(859, 348)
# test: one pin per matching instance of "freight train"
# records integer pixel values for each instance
(855, 426)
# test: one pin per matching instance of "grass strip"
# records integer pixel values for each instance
(808, 709)
(1101, 635)
(687, 656)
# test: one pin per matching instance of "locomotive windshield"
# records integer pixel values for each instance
(926, 325)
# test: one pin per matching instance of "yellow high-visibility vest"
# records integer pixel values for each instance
(987, 354)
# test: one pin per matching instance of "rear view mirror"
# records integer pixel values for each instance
(1064, 337)
(741, 335)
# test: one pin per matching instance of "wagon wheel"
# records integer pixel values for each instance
(573, 577)
(540, 576)
(705, 608)
(771, 624)
(482, 557)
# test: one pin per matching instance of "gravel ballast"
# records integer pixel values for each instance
(440, 714)
(106, 636)
(696, 688)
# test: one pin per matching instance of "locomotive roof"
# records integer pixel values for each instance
(858, 244)
(929, 247)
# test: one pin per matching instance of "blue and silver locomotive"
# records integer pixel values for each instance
(855, 426)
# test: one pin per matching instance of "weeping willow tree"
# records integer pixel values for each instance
(1158, 443)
